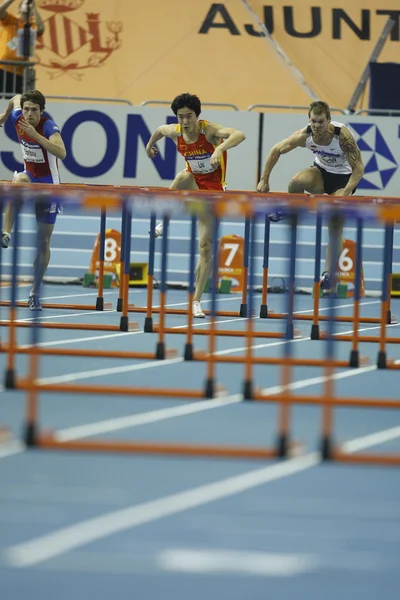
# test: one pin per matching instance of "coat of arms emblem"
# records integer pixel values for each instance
(72, 43)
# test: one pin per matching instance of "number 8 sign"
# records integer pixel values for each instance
(112, 252)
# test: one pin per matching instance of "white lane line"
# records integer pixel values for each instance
(58, 316)
(372, 439)
(261, 564)
(65, 539)
(117, 424)
(46, 547)
(10, 448)
(100, 427)
(110, 371)
(75, 376)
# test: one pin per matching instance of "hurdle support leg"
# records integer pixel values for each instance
(326, 448)
(315, 332)
(243, 312)
(264, 302)
(9, 380)
(282, 445)
(100, 294)
(30, 436)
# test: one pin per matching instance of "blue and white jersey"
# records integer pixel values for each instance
(331, 158)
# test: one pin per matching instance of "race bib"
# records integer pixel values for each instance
(201, 164)
(33, 154)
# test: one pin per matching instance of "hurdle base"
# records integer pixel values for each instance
(9, 381)
(326, 448)
(381, 362)
(264, 311)
(188, 353)
(248, 390)
(354, 360)
(289, 331)
(243, 310)
(282, 446)
(30, 435)
(120, 303)
(160, 351)
(314, 332)
(148, 325)
(100, 304)
(209, 388)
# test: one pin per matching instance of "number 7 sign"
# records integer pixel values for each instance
(230, 260)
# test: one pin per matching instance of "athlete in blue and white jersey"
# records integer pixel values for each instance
(337, 167)
(42, 146)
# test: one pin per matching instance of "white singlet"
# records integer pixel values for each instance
(331, 158)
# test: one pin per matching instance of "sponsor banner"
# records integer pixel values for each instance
(106, 145)
(378, 139)
(219, 50)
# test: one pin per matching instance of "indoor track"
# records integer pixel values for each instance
(98, 525)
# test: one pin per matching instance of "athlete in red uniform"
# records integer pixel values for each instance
(203, 146)
(41, 146)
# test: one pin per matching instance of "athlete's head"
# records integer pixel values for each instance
(32, 104)
(187, 108)
(320, 117)
(187, 101)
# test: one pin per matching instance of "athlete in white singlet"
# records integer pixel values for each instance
(337, 168)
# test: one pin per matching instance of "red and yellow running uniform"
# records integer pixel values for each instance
(197, 157)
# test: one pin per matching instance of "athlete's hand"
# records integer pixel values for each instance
(152, 151)
(216, 157)
(3, 118)
(263, 186)
(27, 128)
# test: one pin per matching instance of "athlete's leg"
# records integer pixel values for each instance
(11, 210)
(204, 264)
(183, 181)
(335, 243)
(308, 180)
(43, 236)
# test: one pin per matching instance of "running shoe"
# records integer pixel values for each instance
(325, 282)
(34, 302)
(197, 312)
(5, 239)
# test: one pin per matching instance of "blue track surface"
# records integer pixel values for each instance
(100, 525)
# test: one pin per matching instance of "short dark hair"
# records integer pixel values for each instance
(34, 96)
(320, 107)
(186, 101)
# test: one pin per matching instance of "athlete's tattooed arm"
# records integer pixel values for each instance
(353, 155)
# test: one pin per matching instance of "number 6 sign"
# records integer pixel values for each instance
(346, 267)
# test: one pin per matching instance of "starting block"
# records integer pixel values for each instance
(90, 280)
(395, 291)
(225, 286)
(138, 274)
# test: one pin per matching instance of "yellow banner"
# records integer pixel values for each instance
(155, 50)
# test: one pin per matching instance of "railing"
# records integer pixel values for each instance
(281, 106)
(90, 99)
(169, 102)
(390, 112)
(12, 82)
